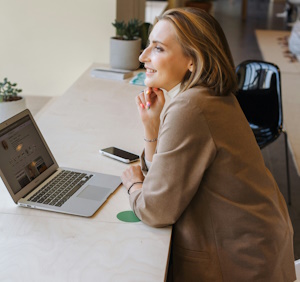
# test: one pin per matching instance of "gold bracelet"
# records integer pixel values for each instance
(150, 140)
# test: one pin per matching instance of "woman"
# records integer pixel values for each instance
(204, 173)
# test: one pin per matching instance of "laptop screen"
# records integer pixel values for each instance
(23, 155)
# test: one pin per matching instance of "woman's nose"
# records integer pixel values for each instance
(144, 57)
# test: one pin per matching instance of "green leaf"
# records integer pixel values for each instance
(127, 31)
(8, 89)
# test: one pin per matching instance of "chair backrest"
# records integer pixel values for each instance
(259, 95)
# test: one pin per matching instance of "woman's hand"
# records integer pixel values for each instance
(150, 103)
(131, 175)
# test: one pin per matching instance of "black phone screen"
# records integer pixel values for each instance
(121, 153)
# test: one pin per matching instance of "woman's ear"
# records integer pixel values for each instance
(191, 66)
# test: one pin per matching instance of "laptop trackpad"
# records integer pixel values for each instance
(94, 193)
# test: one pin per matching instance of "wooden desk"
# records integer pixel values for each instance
(46, 246)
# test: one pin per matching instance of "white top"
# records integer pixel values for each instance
(174, 91)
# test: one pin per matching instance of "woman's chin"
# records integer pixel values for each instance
(150, 83)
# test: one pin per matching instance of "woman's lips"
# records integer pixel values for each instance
(150, 71)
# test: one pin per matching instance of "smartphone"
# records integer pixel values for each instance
(119, 154)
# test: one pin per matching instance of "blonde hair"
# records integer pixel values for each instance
(202, 39)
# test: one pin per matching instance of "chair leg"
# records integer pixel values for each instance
(287, 168)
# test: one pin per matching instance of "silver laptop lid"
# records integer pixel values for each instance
(25, 158)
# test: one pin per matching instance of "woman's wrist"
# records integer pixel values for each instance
(150, 134)
(134, 186)
(150, 140)
(152, 126)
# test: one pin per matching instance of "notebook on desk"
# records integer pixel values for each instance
(34, 179)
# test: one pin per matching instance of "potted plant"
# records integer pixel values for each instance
(125, 47)
(10, 102)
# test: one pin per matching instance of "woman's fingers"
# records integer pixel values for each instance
(131, 175)
(148, 93)
(150, 96)
(140, 101)
(143, 100)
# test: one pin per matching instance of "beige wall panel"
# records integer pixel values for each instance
(45, 45)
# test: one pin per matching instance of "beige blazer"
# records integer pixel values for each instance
(208, 179)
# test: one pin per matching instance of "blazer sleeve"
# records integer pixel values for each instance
(184, 151)
(143, 163)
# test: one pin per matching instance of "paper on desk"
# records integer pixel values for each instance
(139, 79)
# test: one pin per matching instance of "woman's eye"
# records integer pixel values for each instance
(159, 49)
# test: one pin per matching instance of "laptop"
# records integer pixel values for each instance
(34, 179)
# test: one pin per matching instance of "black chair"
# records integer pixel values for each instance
(259, 95)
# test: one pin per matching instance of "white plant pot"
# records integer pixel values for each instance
(124, 54)
(11, 108)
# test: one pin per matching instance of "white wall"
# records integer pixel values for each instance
(45, 45)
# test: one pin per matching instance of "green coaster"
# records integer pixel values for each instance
(127, 216)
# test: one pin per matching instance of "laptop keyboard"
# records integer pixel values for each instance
(60, 188)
